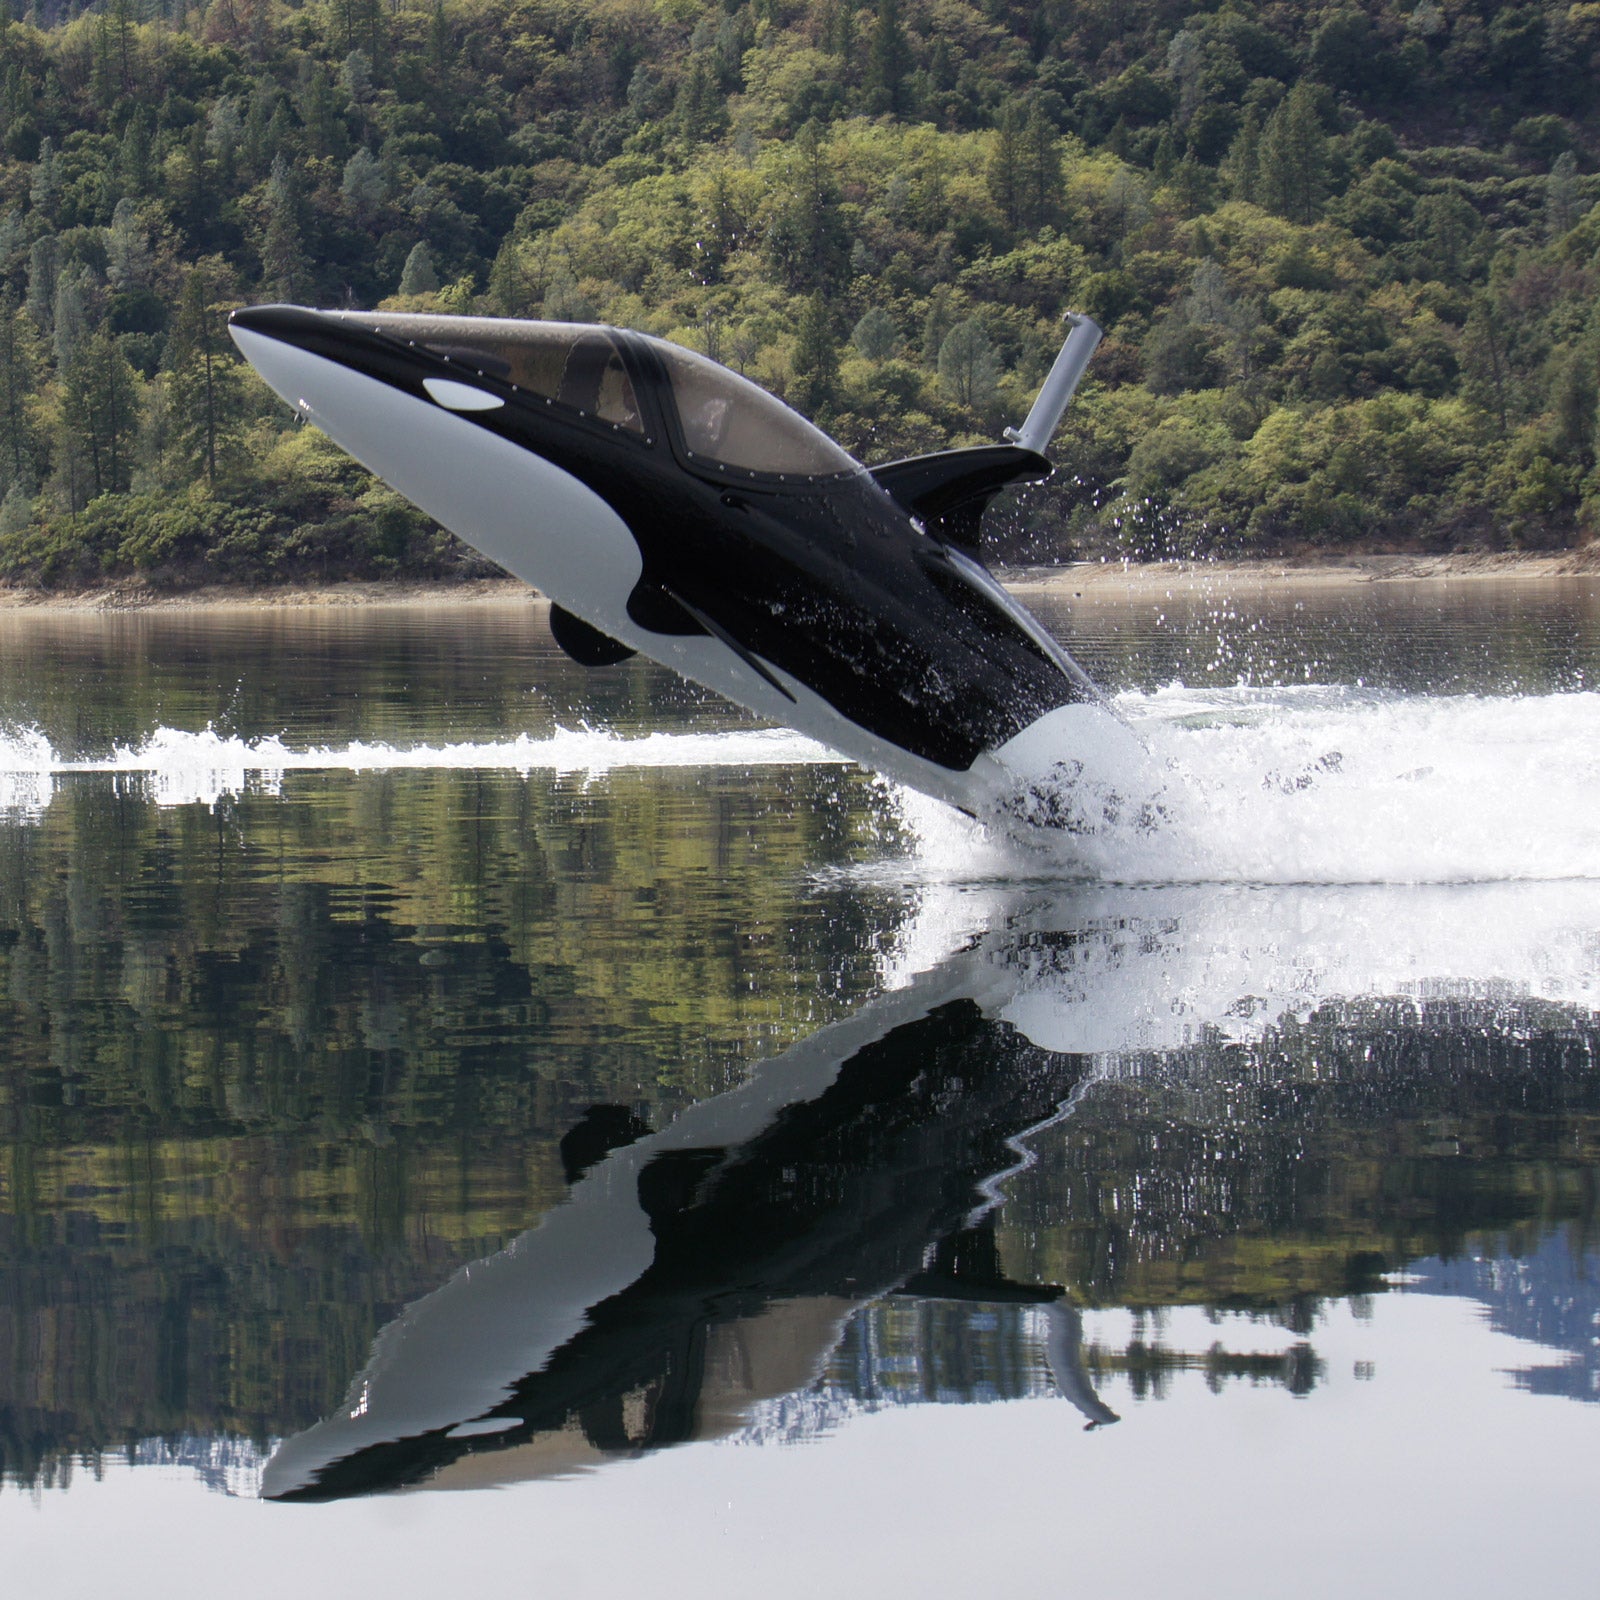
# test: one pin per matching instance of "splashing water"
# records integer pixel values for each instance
(1292, 785)
(1322, 843)
(1319, 785)
(172, 767)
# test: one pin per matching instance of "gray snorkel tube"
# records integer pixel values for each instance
(1055, 396)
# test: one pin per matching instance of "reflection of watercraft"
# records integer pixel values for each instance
(696, 1271)
(670, 507)
(699, 1270)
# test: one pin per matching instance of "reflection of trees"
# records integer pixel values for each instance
(1313, 1160)
(1511, 638)
(423, 950)
(269, 1072)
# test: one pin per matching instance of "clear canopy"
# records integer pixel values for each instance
(727, 421)
(571, 363)
(731, 422)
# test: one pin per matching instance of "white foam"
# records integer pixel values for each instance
(1306, 785)
(1319, 785)
(1344, 787)
(174, 767)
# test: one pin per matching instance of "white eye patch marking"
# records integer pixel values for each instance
(461, 396)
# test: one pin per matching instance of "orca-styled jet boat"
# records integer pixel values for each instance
(668, 506)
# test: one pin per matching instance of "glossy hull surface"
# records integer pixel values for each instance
(822, 608)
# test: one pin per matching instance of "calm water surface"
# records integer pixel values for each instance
(468, 1121)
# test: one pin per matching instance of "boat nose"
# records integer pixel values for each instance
(296, 327)
(297, 351)
(293, 325)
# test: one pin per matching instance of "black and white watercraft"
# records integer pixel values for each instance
(668, 506)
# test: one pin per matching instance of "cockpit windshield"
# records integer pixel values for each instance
(731, 423)
(572, 364)
(728, 422)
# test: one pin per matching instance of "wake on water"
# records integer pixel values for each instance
(1290, 785)
(1306, 844)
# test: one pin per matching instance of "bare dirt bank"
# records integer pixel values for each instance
(1134, 580)
(1107, 580)
(332, 596)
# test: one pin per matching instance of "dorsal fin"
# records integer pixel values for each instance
(950, 491)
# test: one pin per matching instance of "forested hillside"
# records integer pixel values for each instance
(1348, 256)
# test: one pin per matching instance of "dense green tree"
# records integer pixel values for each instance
(1041, 168)
(365, 187)
(285, 273)
(875, 335)
(1563, 200)
(816, 358)
(888, 57)
(1293, 161)
(739, 175)
(807, 237)
(44, 273)
(206, 385)
(18, 381)
(969, 365)
(1006, 174)
(100, 411)
(419, 276)
(1244, 157)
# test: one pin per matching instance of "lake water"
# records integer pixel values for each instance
(469, 1123)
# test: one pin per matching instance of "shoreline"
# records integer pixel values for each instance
(1098, 579)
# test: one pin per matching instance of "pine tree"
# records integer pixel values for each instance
(1486, 358)
(135, 157)
(816, 358)
(128, 258)
(1573, 407)
(418, 276)
(937, 325)
(17, 383)
(698, 110)
(285, 272)
(969, 368)
(365, 186)
(1041, 168)
(69, 317)
(1185, 61)
(875, 335)
(196, 193)
(100, 407)
(1294, 157)
(1005, 174)
(44, 274)
(807, 239)
(102, 78)
(1563, 203)
(325, 133)
(888, 57)
(123, 43)
(440, 48)
(1244, 157)
(840, 33)
(1446, 226)
(44, 189)
(206, 387)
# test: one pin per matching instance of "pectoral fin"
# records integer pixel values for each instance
(588, 646)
